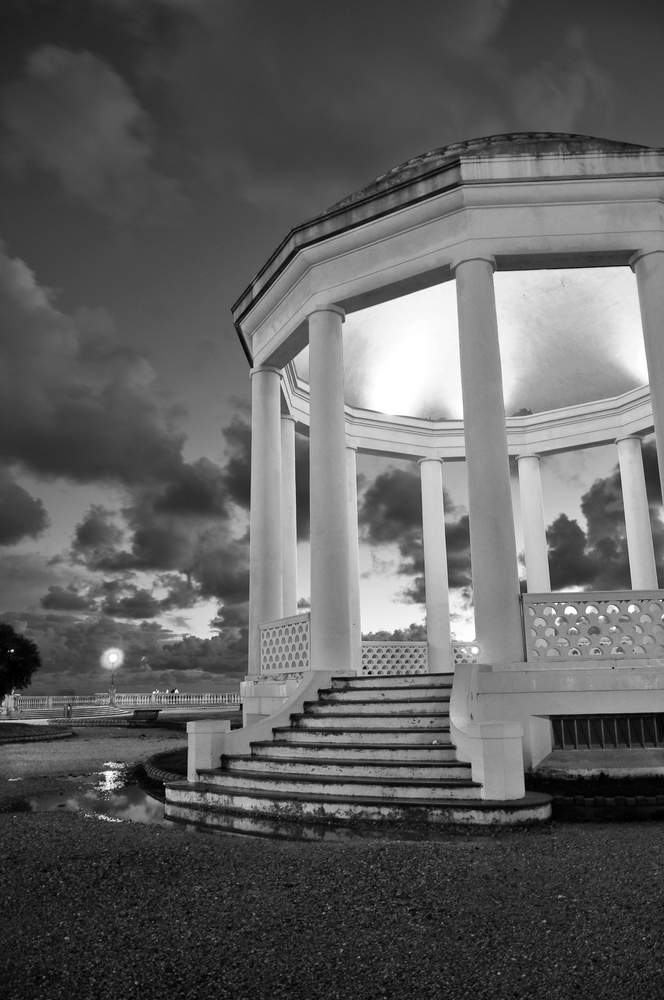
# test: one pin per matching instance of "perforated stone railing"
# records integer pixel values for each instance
(408, 657)
(465, 652)
(285, 652)
(588, 625)
(285, 645)
(385, 658)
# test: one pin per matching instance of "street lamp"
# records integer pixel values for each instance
(110, 659)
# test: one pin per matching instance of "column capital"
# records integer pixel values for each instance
(642, 253)
(288, 416)
(351, 446)
(264, 368)
(629, 437)
(471, 257)
(528, 454)
(432, 458)
(332, 309)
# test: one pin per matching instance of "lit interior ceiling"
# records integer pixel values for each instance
(566, 336)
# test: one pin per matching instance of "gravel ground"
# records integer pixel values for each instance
(108, 911)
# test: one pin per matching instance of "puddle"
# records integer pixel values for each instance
(134, 804)
(116, 805)
(115, 796)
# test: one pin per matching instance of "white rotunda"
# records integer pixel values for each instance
(466, 220)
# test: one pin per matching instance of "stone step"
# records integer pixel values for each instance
(393, 681)
(377, 707)
(339, 770)
(452, 788)
(404, 720)
(331, 735)
(354, 751)
(211, 805)
(384, 696)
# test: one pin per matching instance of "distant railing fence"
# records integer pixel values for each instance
(31, 702)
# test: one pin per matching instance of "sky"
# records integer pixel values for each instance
(153, 153)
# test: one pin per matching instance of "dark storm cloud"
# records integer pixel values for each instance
(21, 515)
(66, 599)
(77, 403)
(597, 558)
(199, 489)
(391, 512)
(336, 102)
(96, 535)
(74, 401)
(237, 471)
(74, 117)
(140, 604)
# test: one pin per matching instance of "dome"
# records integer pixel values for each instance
(526, 143)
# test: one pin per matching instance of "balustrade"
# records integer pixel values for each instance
(24, 703)
(285, 652)
(285, 645)
(589, 625)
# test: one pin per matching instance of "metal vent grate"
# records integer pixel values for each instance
(608, 732)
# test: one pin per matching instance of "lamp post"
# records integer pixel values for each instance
(110, 659)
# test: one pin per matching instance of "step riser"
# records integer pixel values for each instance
(358, 753)
(386, 680)
(195, 806)
(323, 707)
(382, 697)
(368, 721)
(229, 782)
(337, 772)
(364, 737)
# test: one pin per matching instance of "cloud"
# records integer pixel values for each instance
(139, 604)
(391, 513)
(21, 516)
(96, 536)
(453, 64)
(73, 116)
(66, 599)
(597, 558)
(75, 401)
(558, 92)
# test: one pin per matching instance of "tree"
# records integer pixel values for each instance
(19, 659)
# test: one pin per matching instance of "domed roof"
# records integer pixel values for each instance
(529, 143)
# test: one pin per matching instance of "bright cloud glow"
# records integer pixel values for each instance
(566, 336)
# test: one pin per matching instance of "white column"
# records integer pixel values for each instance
(439, 639)
(331, 633)
(538, 580)
(640, 549)
(354, 560)
(265, 552)
(649, 270)
(288, 514)
(492, 540)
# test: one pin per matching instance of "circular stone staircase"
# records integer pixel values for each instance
(370, 750)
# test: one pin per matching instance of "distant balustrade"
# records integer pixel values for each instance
(586, 625)
(32, 703)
